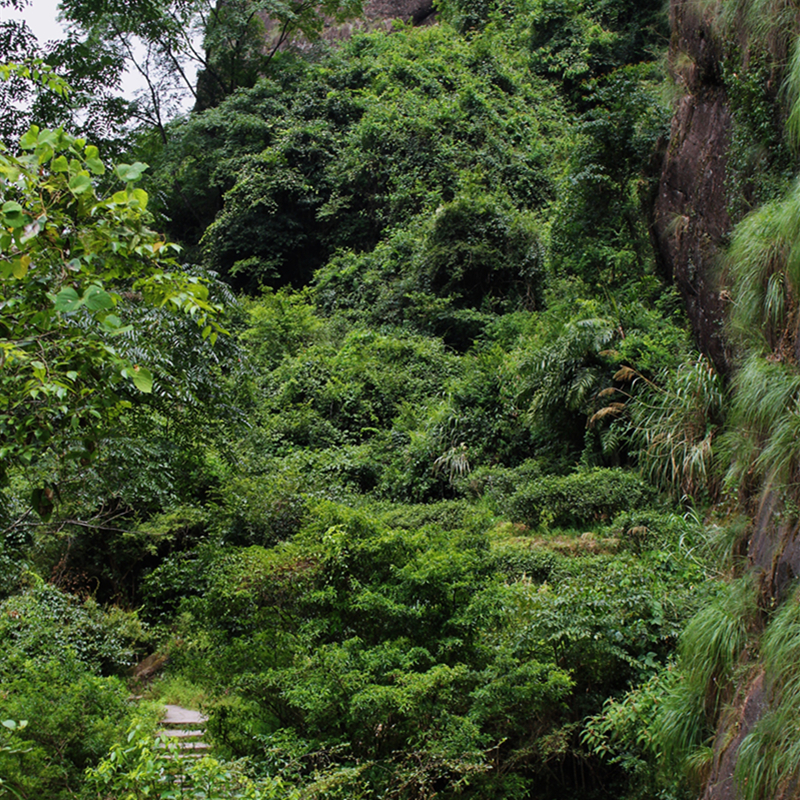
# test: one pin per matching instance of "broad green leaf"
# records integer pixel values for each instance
(112, 322)
(60, 164)
(78, 184)
(20, 266)
(130, 172)
(93, 161)
(140, 198)
(29, 139)
(49, 138)
(44, 152)
(97, 299)
(67, 300)
(142, 379)
(96, 166)
(13, 215)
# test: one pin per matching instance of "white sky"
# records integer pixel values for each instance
(41, 16)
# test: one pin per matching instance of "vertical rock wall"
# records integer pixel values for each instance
(691, 218)
(691, 224)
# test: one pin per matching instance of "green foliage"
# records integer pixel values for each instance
(626, 733)
(763, 266)
(357, 385)
(481, 254)
(61, 83)
(159, 41)
(765, 25)
(576, 41)
(187, 181)
(403, 280)
(376, 651)
(45, 620)
(584, 497)
(677, 425)
(768, 755)
(281, 324)
(148, 766)
(569, 42)
(759, 160)
(371, 138)
(263, 510)
(567, 377)
(651, 530)
(56, 670)
(711, 648)
(600, 230)
(67, 258)
(560, 379)
(314, 513)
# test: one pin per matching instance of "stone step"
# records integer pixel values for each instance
(188, 746)
(175, 715)
(187, 728)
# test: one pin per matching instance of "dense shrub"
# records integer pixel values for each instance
(57, 662)
(358, 144)
(580, 499)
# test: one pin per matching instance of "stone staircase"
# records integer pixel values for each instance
(187, 728)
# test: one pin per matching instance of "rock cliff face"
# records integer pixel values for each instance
(774, 554)
(691, 219)
(378, 14)
(691, 223)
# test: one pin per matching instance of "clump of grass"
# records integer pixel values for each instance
(176, 690)
(769, 756)
(711, 648)
(676, 426)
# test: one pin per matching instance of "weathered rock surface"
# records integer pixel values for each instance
(149, 666)
(378, 14)
(774, 549)
(690, 226)
(746, 710)
(415, 11)
(691, 219)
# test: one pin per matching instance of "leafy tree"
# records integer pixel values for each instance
(72, 261)
(17, 43)
(92, 106)
(228, 44)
